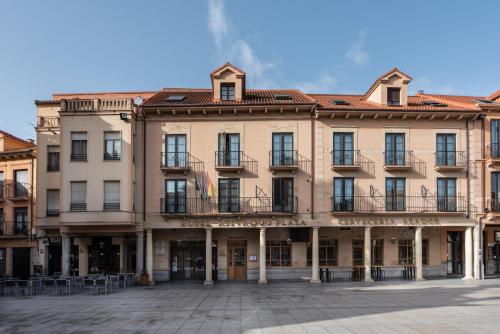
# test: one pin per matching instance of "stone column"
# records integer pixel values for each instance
(477, 254)
(418, 254)
(9, 269)
(368, 254)
(208, 257)
(66, 253)
(262, 256)
(315, 256)
(468, 253)
(139, 252)
(149, 255)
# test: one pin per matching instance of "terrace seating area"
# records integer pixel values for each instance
(58, 285)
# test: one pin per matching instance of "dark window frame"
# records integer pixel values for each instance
(278, 246)
(326, 247)
(176, 203)
(227, 91)
(53, 159)
(115, 153)
(228, 202)
(392, 93)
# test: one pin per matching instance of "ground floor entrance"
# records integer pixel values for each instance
(21, 262)
(454, 245)
(103, 256)
(237, 260)
(187, 260)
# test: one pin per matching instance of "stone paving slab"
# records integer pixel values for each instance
(438, 306)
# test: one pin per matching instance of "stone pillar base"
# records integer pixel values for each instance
(208, 283)
(369, 280)
(262, 282)
(315, 281)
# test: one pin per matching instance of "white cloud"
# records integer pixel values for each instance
(325, 83)
(231, 47)
(217, 21)
(356, 52)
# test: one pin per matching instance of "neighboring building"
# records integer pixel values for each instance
(17, 171)
(244, 184)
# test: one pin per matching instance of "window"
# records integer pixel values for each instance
(395, 149)
(1, 186)
(227, 91)
(21, 183)
(357, 252)
(111, 195)
(283, 154)
(278, 253)
(447, 194)
(229, 149)
(406, 251)
(2, 222)
(343, 194)
(21, 221)
(78, 146)
(445, 150)
(78, 196)
(393, 96)
(425, 251)
(52, 158)
(377, 252)
(229, 195)
(328, 252)
(112, 145)
(3, 261)
(495, 139)
(53, 202)
(395, 194)
(175, 196)
(283, 198)
(343, 148)
(495, 191)
(175, 150)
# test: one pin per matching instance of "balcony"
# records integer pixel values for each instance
(493, 153)
(229, 161)
(48, 122)
(52, 213)
(493, 205)
(111, 156)
(17, 191)
(405, 204)
(449, 161)
(92, 105)
(345, 160)
(21, 228)
(175, 162)
(398, 160)
(182, 206)
(283, 160)
(78, 157)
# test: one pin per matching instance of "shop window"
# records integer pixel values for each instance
(357, 252)
(328, 253)
(278, 253)
(406, 251)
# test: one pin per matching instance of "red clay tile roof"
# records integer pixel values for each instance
(224, 65)
(204, 97)
(495, 96)
(415, 103)
(23, 142)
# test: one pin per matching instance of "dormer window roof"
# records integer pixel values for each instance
(228, 83)
(390, 89)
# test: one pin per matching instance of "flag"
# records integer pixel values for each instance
(197, 185)
(210, 187)
(203, 186)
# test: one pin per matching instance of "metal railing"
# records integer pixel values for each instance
(21, 228)
(401, 158)
(493, 150)
(48, 122)
(413, 203)
(78, 156)
(175, 160)
(228, 158)
(76, 207)
(450, 159)
(87, 105)
(493, 204)
(246, 205)
(2, 191)
(111, 206)
(53, 164)
(17, 190)
(111, 156)
(283, 158)
(52, 212)
(345, 157)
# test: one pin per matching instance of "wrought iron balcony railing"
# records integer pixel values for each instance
(345, 158)
(228, 158)
(17, 190)
(493, 151)
(175, 160)
(398, 159)
(412, 203)
(178, 205)
(283, 158)
(450, 159)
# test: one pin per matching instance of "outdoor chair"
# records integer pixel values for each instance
(122, 281)
(88, 286)
(130, 279)
(10, 286)
(77, 284)
(101, 285)
(114, 283)
(63, 286)
(49, 286)
(24, 288)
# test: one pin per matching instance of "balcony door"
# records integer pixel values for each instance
(395, 149)
(343, 194)
(283, 199)
(447, 194)
(21, 181)
(395, 192)
(175, 196)
(495, 138)
(282, 149)
(175, 148)
(495, 191)
(229, 149)
(343, 148)
(446, 149)
(229, 195)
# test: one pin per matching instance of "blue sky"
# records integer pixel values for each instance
(319, 46)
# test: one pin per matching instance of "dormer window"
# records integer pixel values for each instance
(227, 91)
(393, 96)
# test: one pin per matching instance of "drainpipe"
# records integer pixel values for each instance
(31, 197)
(143, 165)
(483, 190)
(313, 157)
(467, 166)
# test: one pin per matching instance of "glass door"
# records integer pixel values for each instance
(229, 149)
(175, 148)
(282, 149)
(495, 138)
(229, 195)
(343, 194)
(395, 149)
(175, 196)
(447, 194)
(283, 199)
(445, 150)
(395, 194)
(343, 148)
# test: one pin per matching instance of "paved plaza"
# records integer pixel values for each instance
(438, 306)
